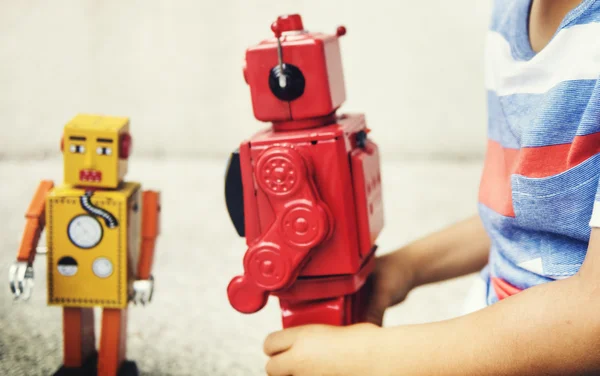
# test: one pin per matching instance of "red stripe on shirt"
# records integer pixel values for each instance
(503, 289)
(495, 190)
(534, 162)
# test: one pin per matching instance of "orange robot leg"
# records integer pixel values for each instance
(79, 338)
(112, 341)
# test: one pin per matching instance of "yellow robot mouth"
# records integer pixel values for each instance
(90, 175)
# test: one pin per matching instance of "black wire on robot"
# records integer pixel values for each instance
(286, 81)
(86, 204)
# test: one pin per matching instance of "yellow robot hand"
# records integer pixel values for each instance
(20, 276)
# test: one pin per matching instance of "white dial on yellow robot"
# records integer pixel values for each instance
(102, 267)
(85, 231)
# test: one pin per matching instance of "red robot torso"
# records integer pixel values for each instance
(310, 204)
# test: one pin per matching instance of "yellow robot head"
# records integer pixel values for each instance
(95, 150)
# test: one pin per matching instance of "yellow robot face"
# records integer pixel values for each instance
(95, 150)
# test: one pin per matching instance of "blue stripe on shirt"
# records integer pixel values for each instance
(572, 108)
(510, 18)
(587, 12)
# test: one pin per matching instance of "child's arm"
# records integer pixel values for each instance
(551, 329)
(460, 249)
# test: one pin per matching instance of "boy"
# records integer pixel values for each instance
(536, 228)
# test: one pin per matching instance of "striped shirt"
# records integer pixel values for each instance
(540, 179)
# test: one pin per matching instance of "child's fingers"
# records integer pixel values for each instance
(280, 341)
(376, 308)
(375, 316)
(280, 365)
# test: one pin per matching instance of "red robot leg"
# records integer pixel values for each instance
(329, 312)
(359, 303)
(340, 311)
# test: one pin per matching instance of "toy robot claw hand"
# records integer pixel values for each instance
(20, 276)
(143, 290)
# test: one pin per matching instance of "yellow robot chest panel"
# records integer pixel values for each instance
(93, 241)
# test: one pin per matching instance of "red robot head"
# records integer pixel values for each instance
(297, 75)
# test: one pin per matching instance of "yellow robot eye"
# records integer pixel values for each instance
(103, 151)
(77, 149)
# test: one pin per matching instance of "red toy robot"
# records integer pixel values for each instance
(306, 192)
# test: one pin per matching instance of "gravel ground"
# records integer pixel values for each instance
(190, 329)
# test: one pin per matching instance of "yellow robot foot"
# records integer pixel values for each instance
(129, 368)
(89, 368)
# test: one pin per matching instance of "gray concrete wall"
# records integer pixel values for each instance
(174, 67)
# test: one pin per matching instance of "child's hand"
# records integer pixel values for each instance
(392, 281)
(315, 350)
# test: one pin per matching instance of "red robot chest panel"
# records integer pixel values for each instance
(345, 177)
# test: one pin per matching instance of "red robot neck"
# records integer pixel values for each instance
(292, 125)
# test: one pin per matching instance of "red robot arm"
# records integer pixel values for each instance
(302, 221)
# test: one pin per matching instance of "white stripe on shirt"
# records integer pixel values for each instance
(574, 54)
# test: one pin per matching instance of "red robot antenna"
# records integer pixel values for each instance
(292, 22)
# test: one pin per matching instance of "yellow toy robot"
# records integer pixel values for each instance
(100, 235)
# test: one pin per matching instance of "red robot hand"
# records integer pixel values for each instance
(246, 297)
(301, 222)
